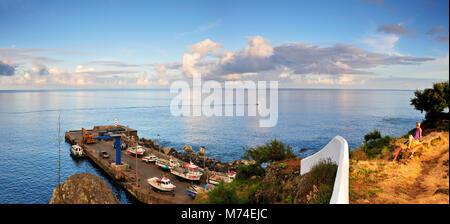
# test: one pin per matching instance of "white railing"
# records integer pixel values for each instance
(337, 151)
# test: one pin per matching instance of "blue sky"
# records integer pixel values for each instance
(149, 44)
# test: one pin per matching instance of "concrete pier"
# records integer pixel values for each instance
(126, 177)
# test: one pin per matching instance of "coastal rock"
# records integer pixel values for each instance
(83, 188)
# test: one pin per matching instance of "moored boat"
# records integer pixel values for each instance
(217, 178)
(77, 151)
(163, 184)
(139, 150)
(150, 159)
(189, 172)
(193, 190)
(163, 164)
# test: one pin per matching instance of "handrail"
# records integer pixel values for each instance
(337, 151)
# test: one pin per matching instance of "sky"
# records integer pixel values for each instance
(348, 44)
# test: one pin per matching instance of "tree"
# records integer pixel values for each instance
(270, 152)
(432, 100)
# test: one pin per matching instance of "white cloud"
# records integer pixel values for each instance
(258, 47)
(382, 43)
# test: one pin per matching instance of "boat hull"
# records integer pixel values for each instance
(187, 176)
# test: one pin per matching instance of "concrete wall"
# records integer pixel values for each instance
(337, 151)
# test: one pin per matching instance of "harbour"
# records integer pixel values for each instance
(125, 173)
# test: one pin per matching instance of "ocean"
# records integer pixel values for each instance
(307, 118)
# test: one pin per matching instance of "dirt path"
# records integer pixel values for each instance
(421, 180)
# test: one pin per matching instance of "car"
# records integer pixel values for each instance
(103, 154)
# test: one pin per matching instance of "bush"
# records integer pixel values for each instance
(376, 147)
(223, 194)
(433, 101)
(319, 181)
(245, 172)
(270, 152)
(372, 135)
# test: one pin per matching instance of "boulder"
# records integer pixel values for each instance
(83, 188)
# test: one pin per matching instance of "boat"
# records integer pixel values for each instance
(163, 164)
(173, 163)
(167, 165)
(150, 159)
(139, 150)
(189, 172)
(163, 184)
(217, 178)
(193, 190)
(77, 151)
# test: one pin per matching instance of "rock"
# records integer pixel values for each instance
(441, 191)
(83, 188)
(303, 150)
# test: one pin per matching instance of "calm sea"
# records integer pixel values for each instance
(307, 119)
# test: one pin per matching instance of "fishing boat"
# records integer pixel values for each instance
(189, 172)
(163, 184)
(193, 190)
(139, 150)
(173, 163)
(77, 151)
(217, 178)
(150, 159)
(163, 164)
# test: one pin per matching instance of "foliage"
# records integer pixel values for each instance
(223, 194)
(375, 147)
(323, 195)
(372, 135)
(245, 172)
(319, 181)
(270, 152)
(282, 165)
(432, 100)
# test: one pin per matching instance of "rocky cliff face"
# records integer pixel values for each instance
(83, 188)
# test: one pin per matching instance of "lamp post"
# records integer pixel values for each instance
(159, 143)
(136, 152)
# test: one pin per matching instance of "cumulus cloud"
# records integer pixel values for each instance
(303, 58)
(330, 63)
(6, 69)
(394, 29)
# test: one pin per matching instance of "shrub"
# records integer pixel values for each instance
(376, 147)
(223, 194)
(321, 177)
(372, 135)
(245, 172)
(270, 152)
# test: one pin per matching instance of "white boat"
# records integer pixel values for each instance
(77, 151)
(173, 163)
(217, 178)
(167, 165)
(150, 159)
(139, 150)
(162, 163)
(163, 184)
(189, 172)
